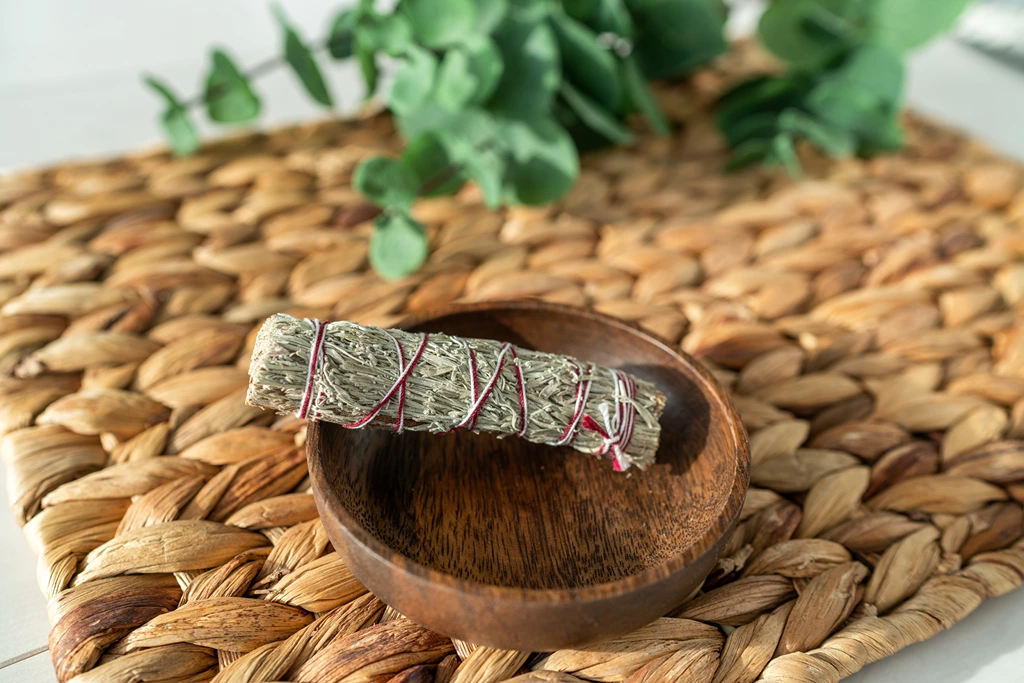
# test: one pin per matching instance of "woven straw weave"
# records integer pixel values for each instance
(865, 320)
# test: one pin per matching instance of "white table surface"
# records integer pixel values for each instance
(69, 86)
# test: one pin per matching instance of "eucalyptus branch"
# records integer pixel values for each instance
(218, 91)
(507, 93)
(229, 97)
(259, 69)
(844, 95)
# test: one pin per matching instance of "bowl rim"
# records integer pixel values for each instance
(726, 519)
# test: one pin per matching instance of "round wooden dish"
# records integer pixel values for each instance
(527, 547)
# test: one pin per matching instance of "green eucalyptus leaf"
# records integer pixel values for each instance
(440, 23)
(761, 91)
(906, 24)
(468, 74)
(886, 138)
(386, 182)
(398, 246)
(595, 117)
(414, 81)
(300, 58)
(387, 33)
(759, 125)
(229, 97)
(544, 161)
(611, 16)
(807, 33)
(784, 151)
(678, 35)
(487, 168)
(367, 58)
(532, 68)
(489, 14)
(530, 11)
(876, 68)
(642, 99)
(759, 95)
(848, 106)
(164, 91)
(586, 140)
(485, 63)
(581, 10)
(340, 41)
(430, 117)
(472, 139)
(456, 84)
(181, 134)
(754, 151)
(834, 142)
(436, 172)
(589, 66)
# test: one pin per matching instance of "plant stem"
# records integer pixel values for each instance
(439, 179)
(835, 24)
(260, 69)
(368, 211)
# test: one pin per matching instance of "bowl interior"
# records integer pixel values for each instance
(506, 512)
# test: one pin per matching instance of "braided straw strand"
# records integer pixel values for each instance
(866, 321)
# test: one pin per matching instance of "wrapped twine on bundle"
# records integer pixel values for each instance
(359, 376)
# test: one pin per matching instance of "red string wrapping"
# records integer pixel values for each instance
(582, 393)
(521, 382)
(314, 361)
(400, 413)
(616, 432)
(477, 401)
(474, 385)
(618, 428)
(398, 386)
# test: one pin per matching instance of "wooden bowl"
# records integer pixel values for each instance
(528, 547)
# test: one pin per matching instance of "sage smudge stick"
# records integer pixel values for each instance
(360, 376)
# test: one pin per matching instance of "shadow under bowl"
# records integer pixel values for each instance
(515, 545)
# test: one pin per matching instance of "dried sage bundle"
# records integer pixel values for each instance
(359, 376)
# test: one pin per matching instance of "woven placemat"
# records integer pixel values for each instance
(864, 319)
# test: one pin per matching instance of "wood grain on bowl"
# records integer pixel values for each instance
(522, 546)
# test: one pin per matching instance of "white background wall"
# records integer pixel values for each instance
(69, 73)
(70, 69)
(69, 87)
